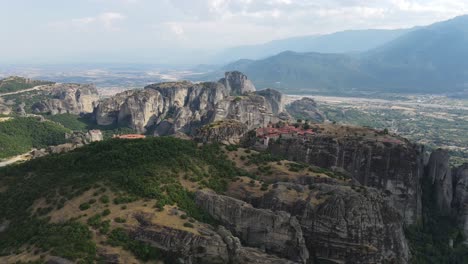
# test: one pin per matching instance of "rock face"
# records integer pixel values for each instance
(306, 109)
(253, 110)
(275, 98)
(439, 173)
(68, 98)
(226, 132)
(276, 232)
(207, 246)
(4, 109)
(342, 224)
(393, 166)
(460, 199)
(168, 108)
(237, 83)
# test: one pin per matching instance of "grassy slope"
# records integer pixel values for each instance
(150, 168)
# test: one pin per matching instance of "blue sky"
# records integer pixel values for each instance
(173, 31)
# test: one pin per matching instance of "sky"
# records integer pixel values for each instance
(178, 31)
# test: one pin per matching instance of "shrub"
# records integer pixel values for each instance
(106, 212)
(84, 206)
(104, 199)
(119, 220)
(190, 225)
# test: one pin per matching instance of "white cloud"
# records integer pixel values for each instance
(109, 19)
(106, 21)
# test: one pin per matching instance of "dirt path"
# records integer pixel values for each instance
(15, 159)
(35, 88)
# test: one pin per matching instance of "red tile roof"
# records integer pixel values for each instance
(129, 136)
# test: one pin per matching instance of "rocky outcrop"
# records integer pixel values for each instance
(67, 98)
(276, 232)
(340, 223)
(393, 165)
(205, 246)
(237, 83)
(253, 110)
(460, 199)
(275, 98)
(306, 109)
(439, 174)
(168, 108)
(226, 132)
(4, 108)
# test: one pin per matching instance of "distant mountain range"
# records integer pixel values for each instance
(429, 59)
(350, 41)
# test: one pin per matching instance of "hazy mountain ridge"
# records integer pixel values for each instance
(429, 60)
(349, 41)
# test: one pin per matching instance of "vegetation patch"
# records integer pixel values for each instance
(135, 169)
(21, 134)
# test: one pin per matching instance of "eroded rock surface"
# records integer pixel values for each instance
(168, 108)
(226, 132)
(204, 246)
(277, 233)
(306, 109)
(392, 165)
(68, 98)
(439, 174)
(460, 199)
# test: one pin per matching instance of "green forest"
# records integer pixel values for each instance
(21, 134)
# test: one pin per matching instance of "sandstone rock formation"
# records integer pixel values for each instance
(460, 199)
(4, 108)
(226, 132)
(306, 109)
(439, 174)
(276, 232)
(68, 98)
(393, 166)
(205, 246)
(340, 224)
(237, 83)
(168, 108)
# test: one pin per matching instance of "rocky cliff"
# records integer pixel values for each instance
(208, 245)
(226, 132)
(67, 98)
(306, 109)
(276, 232)
(460, 199)
(237, 83)
(168, 108)
(439, 175)
(340, 222)
(388, 163)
